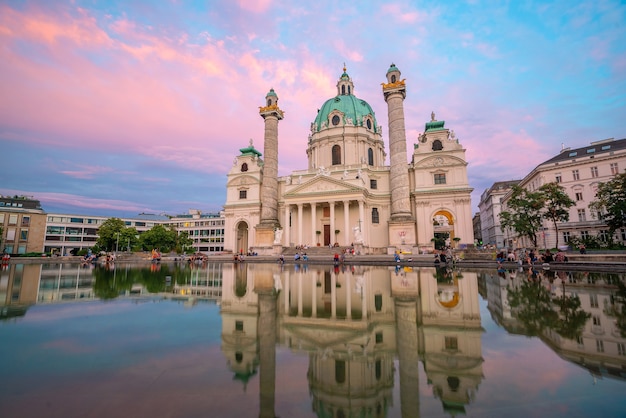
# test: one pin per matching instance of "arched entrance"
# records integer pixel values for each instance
(241, 244)
(443, 227)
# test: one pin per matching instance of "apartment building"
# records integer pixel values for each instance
(22, 221)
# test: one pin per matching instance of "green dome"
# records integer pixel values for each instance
(351, 106)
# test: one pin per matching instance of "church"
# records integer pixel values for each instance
(349, 195)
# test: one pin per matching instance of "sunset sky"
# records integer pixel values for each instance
(122, 107)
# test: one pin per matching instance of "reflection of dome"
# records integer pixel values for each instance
(352, 108)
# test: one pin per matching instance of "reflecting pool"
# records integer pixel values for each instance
(263, 340)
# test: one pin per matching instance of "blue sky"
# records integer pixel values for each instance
(116, 108)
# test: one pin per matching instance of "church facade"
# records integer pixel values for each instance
(348, 195)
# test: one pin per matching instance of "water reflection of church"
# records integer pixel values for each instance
(354, 323)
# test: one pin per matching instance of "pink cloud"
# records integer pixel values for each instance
(257, 6)
(402, 15)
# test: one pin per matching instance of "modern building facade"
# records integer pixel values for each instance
(22, 221)
(579, 171)
(490, 206)
(348, 195)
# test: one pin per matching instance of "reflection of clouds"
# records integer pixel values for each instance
(68, 346)
(56, 312)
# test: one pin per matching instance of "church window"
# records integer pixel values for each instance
(336, 153)
(437, 145)
(243, 194)
(244, 167)
(373, 184)
(369, 124)
(335, 120)
(378, 302)
(440, 178)
(238, 325)
(375, 216)
(349, 90)
(269, 102)
(393, 78)
(340, 371)
(370, 155)
(343, 90)
(379, 370)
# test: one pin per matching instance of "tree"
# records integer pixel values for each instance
(524, 213)
(108, 233)
(159, 237)
(610, 202)
(556, 205)
(183, 242)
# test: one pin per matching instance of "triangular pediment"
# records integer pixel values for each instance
(323, 185)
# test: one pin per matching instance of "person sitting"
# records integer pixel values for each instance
(296, 257)
(547, 257)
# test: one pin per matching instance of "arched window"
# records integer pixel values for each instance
(370, 156)
(340, 371)
(269, 102)
(375, 216)
(343, 90)
(336, 154)
(437, 145)
(393, 78)
(349, 90)
(244, 167)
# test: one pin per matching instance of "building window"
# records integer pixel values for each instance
(596, 321)
(335, 120)
(566, 236)
(238, 325)
(369, 124)
(614, 169)
(600, 346)
(593, 300)
(25, 221)
(437, 145)
(12, 219)
(576, 174)
(440, 178)
(584, 235)
(582, 217)
(24, 235)
(243, 194)
(244, 167)
(373, 184)
(604, 235)
(621, 349)
(340, 371)
(336, 151)
(10, 234)
(594, 172)
(451, 343)
(579, 196)
(558, 178)
(378, 302)
(76, 220)
(375, 216)
(370, 155)
(379, 373)
(379, 337)
(580, 341)
(623, 232)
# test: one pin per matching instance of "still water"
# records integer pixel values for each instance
(261, 340)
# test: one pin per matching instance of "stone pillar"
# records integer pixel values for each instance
(287, 228)
(300, 216)
(267, 352)
(314, 236)
(395, 92)
(346, 222)
(271, 113)
(332, 222)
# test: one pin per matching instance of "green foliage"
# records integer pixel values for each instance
(161, 237)
(610, 202)
(184, 243)
(556, 205)
(524, 214)
(114, 235)
(537, 310)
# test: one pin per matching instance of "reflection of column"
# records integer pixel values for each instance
(313, 298)
(287, 228)
(300, 294)
(299, 224)
(267, 352)
(333, 295)
(346, 222)
(408, 360)
(348, 297)
(286, 291)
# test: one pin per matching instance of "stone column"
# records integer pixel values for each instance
(267, 352)
(408, 356)
(287, 228)
(395, 92)
(332, 222)
(300, 238)
(346, 222)
(313, 224)
(271, 113)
